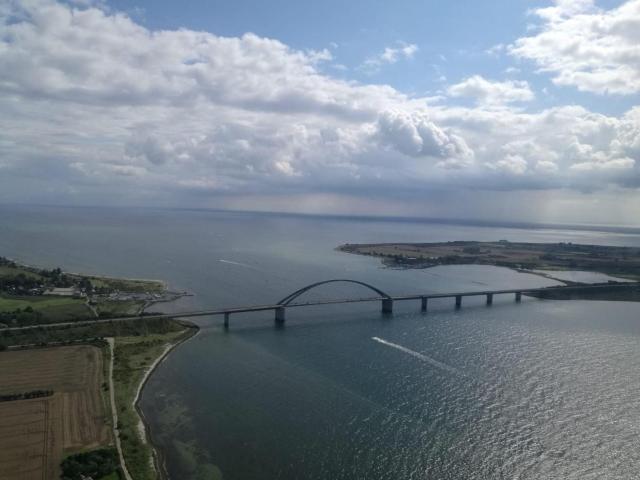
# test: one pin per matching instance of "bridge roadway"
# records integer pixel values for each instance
(387, 304)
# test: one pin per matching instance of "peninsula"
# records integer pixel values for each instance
(70, 369)
(621, 262)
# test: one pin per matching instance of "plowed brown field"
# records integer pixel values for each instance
(36, 434)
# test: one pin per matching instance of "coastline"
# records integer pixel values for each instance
(191, 331)
(127, 371)
(164, 283)
(619, 262)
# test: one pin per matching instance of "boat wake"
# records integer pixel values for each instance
(421, 356)
(231, 262)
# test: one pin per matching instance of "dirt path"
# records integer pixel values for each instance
(114, 412)
(92, 308)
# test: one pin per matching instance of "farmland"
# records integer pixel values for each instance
(36, 434)
(616, 261)
(54, 400)
(35, 296)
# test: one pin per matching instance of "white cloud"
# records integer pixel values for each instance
(583, 150)
(513, 164)
(628, 133)
(586, 47)
(490, 92)
(145, 116)
(415, 135)
(546, 166)
(389, 56)
(604, 164)
(495, 50)
(127, 64)
(318, 56)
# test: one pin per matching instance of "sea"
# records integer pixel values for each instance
(542, 389)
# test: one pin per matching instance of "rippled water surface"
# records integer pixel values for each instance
(541, 389)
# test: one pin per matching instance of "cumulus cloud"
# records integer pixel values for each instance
(628, 133)
(546, 166)
(177, 115)
(568, 147)
(514, 164)
(415, 135)
(587, 47)
(491, 92)
(46, 55)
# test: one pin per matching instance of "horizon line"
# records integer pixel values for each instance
(523, 225)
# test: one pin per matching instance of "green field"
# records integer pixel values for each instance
(71, 333)
(112, 476)
(53, 309)
(118, 308)
(125, 284)
(110, 283)
(22, 302)
(10, 272)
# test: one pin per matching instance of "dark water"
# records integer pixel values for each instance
(543, 389)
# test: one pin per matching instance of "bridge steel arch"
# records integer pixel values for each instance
(289, 298)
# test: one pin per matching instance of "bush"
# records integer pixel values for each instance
(94, 464)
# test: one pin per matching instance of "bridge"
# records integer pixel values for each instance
(387, 302)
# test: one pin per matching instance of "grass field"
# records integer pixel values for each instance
(133, 357)
(36, 434)
(139, 327)
(125, 284)
(10, 272)
(118, 308)
(53, 309)
(111, 283)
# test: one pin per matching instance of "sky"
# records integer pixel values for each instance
(515, 110)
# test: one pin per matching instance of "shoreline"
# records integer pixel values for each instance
(191, 331)
(621, 262)
(164, 283)
(176, 296)
(121, 395)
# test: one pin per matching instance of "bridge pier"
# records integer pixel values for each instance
(458, 301)
(424, 304)
(226, 319)
(489, 298)
(280, 315)
(387, 305)
(518, 296)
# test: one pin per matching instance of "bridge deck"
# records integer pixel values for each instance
(261, 308)
(524, 291)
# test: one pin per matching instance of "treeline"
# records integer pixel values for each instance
(25, 316)
(26, 395)
(31, 281)
(617, 292)
(95, 464)
(20, 284)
